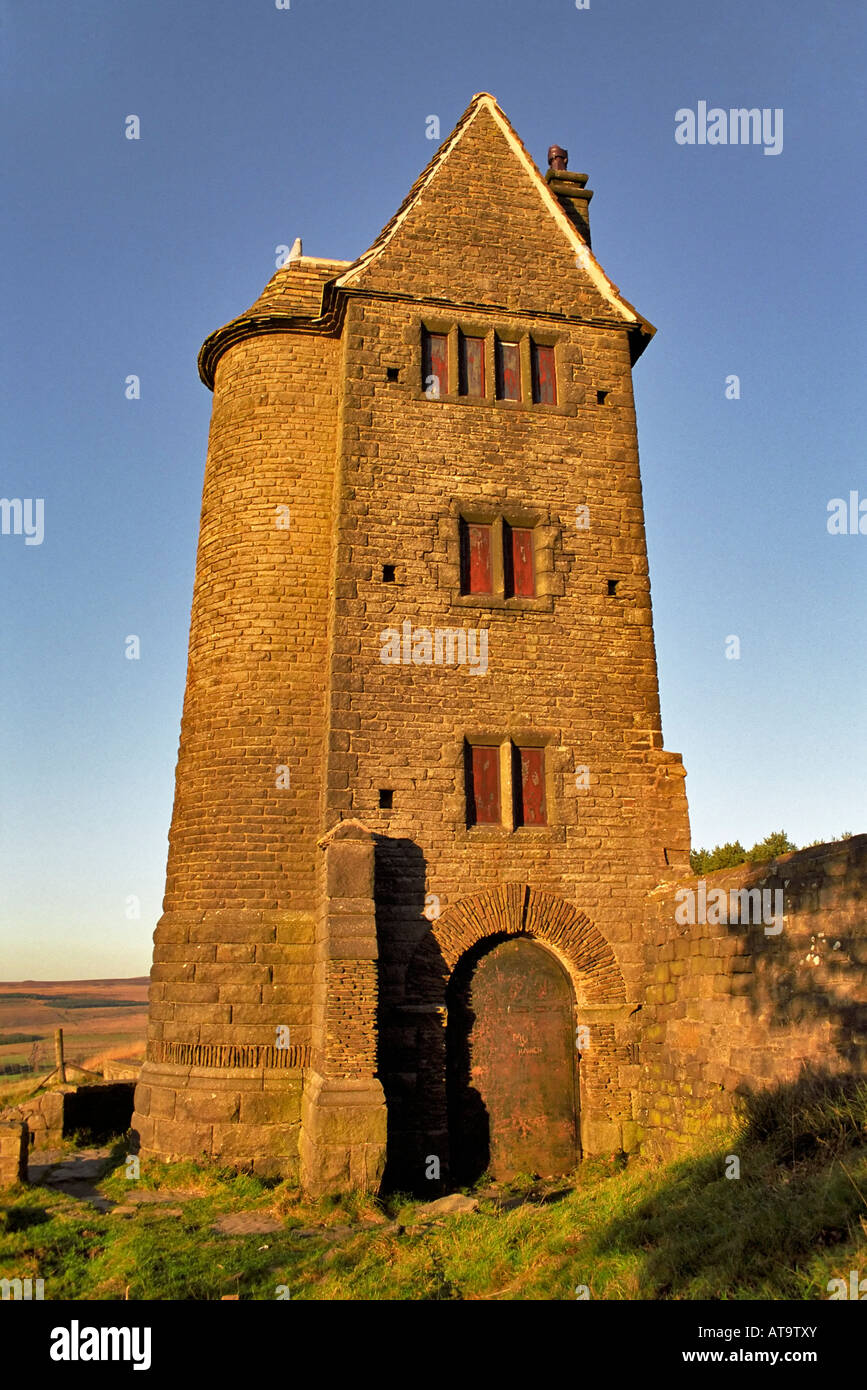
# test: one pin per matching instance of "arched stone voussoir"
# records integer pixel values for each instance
(517, 909)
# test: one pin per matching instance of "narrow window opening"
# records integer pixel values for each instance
(601, 397)
(392, 373)
(519, 561)
(471, 366)
(665, 856)
(508, 363)
(612, 587)
(477, 567)
(386, 798)
(434, 364)
(544, 374)
(528, 786)
(483, 785)
(388, 574)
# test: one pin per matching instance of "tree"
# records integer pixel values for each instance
(772, 845)
(704, 861)
(729, 855)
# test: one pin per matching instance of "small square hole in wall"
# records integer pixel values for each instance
(612, 587)
(392, 373)
(601, 397)
(388, 574)
(386, 799)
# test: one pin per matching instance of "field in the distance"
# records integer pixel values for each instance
(101, 1019)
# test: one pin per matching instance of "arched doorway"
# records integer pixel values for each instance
(511, 1063)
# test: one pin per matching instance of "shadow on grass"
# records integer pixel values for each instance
(22, 1218)
(719, 1229)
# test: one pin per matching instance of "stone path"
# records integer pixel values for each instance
(455, 1204)
(158, 1202)
(74, 1174)
(247, 1223)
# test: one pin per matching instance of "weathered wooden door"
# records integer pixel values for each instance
(512, 1066)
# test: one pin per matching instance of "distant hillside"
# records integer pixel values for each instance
(72, 984)
(101, 1019)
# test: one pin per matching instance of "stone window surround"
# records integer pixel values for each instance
(506, 742)
(545, 537)
(489, 332)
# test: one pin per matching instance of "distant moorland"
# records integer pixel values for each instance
(101, 1020)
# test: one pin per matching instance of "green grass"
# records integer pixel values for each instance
(794, 1219)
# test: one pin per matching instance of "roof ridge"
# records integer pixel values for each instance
(265, 316)
(427, 172)
(584, 255)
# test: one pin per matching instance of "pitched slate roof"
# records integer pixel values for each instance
(588, 262)
(293, 301)
(303, 295)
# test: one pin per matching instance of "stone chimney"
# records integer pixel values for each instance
(570, 190)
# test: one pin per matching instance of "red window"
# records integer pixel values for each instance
(483, 790)
(471, 362)
(477, 568)
(544, 375)
(520, 561)
(435, 364)
(529, 780)
(508, 358)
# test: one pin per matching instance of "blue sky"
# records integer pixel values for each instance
(259, 125)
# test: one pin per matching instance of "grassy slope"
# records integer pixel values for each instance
(795, 1218)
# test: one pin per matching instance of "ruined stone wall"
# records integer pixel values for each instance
(43, 1114)
(14, 1148)
(732, 1005)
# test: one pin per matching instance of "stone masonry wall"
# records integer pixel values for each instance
(285, 668)
(734, 1006)
(233, 953)
(289, 991)
(574, 668)
(14, 1147)
(43, 1115)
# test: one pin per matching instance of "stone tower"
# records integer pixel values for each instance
(421, 791)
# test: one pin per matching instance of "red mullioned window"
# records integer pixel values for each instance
(508, 361)
(434, 363)
(529, 786)
(520, 561)
(477, 563)
(544, 374)
(483, 785)
(471, 366)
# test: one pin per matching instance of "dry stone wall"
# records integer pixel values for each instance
(731, 1006)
